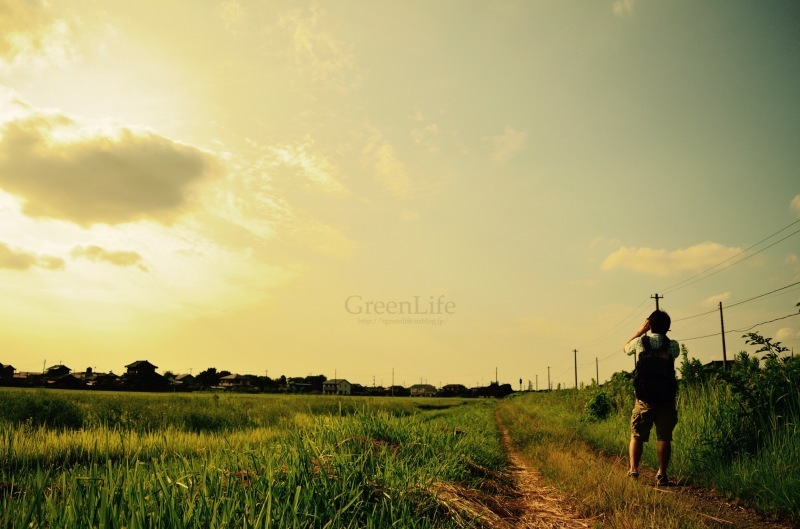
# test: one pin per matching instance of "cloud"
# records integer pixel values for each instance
(231, 13)
(713, 301)
(796, 203)
(506, 145)
(318, 53)
(663, 263)
(389, 170)
(20, 260)
(63, 171)
(118, 258)
(786, 334)
(321, 174)
(31, 36)
(623, 7)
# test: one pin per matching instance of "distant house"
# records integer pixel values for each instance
(140, 367)
(141, 376)
(103, 380)
(57, 371)
(6, 374)
(68, 381)
(398, 391)
(453, 390)
(422, 390)
(184, 380)
(235, 381)
(337, 386)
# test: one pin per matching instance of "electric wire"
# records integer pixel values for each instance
(688, 281)
(739, 302)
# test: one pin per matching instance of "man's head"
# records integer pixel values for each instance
(659, 322)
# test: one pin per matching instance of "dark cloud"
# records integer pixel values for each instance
(97, 179)
(118, 258)
(20, 260)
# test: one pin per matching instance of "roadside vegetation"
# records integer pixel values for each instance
(738, 432)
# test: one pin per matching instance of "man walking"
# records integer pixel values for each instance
(656, 390)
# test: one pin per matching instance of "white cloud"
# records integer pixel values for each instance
(321, 173)
(318, 53)
(88, 176)
(506, 145)
(664, 263)
(713, 301)
(623, 7)
(787, 334)
(31, 37)
(796, 203)
(231, 12)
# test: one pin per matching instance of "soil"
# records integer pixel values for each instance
(537, 505)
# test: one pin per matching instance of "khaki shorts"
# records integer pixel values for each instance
(665, 417)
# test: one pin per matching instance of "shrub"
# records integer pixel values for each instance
(598, 408)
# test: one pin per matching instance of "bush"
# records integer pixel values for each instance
(598, 408)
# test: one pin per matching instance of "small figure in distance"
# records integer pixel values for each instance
(656, 390)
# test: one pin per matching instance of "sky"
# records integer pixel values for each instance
(395, 192)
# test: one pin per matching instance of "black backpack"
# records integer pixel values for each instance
(654, 377)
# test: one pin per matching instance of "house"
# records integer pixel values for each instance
(57, 371)
(422, 390)
(184, 380)
(68, 381)
(235, 381)
(141, 376)
(6, 374)
(336, 386)
(454, 390)
(140, 367)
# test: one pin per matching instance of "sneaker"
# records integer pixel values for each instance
(661, 480)
(633, 474)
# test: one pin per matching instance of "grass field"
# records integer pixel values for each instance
(135, 460)
(89, 459)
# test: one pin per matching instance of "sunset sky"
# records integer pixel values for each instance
(227, 184)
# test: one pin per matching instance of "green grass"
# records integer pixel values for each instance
(281, 461)
(719, 442)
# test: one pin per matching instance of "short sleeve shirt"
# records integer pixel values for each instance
(656, 342)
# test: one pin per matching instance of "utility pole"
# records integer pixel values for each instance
(549, 387)
(576, 367)
(657, 297)
(596, 371)
(724, 351)
(537, 376)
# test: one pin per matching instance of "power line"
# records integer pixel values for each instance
(737, 330)
(689, 281)
(740, 302)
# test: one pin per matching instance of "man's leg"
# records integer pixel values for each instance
(636, 448)
(664, 452)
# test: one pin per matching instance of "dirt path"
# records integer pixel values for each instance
(539, 505)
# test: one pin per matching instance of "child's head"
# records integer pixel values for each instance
(659, 322)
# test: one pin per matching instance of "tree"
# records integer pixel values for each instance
(771, 350)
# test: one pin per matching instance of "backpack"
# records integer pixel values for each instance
(654, 377)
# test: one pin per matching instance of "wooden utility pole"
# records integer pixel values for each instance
(537, 376)
(596, 371)
(657, 297)
(549, 387)
(722, 326)
(576, 367)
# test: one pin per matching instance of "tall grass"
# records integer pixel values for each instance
(736, 432)
(295, 462)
